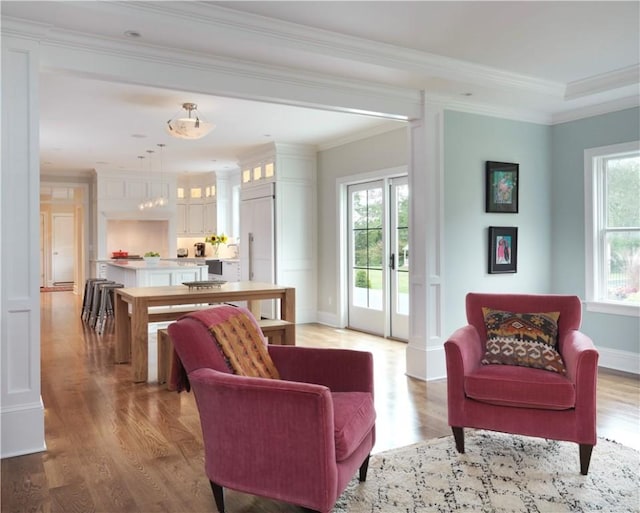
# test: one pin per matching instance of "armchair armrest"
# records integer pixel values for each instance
(341, 370)
(463, 351)
(252, 426)
(465, 346)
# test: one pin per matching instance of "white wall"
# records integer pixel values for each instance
(384, 151)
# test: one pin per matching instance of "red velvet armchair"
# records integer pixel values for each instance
(522, 400)
(299, 439)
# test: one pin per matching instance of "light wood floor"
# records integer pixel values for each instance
(114, 446)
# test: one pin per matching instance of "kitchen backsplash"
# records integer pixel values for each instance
(138, 237)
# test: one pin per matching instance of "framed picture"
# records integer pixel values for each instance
(503, 249)
(502, 187)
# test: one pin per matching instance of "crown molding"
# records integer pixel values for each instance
(404, 100)
(606, 82)
(529, 116)
(383, 128)
(332, 44)
(629, 102)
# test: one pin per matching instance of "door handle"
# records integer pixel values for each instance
(392, 261)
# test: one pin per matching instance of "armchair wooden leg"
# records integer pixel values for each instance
(585, 458)
(218, 495)
(363, 469)
(458, 435)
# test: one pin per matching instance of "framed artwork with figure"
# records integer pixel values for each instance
(502, 187)
(503, 249)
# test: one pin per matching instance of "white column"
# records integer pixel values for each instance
(21, 409)
(425, 351)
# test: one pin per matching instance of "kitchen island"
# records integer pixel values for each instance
(139, 273)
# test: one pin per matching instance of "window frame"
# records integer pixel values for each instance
(595, 207)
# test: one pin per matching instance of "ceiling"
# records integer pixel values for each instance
(541, 61)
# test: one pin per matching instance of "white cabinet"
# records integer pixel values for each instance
(196, 206)
(230, 270)
(278, 223)
(181, 219)
(195, 219)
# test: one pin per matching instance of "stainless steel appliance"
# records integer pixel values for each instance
(215, 269)
(183, 252)
(199, 249)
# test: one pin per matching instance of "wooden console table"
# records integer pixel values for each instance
(132, 313)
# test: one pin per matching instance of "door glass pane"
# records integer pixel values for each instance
(401, 249)
(367, 251)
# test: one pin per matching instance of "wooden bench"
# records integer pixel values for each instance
(273, 329)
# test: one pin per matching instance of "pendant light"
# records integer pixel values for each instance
(189, 126)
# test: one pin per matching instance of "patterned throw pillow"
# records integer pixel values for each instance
(523, 339)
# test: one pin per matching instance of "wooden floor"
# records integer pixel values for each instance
(114, 446)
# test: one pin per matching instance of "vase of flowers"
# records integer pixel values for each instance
(215, 240)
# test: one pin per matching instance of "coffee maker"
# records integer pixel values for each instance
(200, 249)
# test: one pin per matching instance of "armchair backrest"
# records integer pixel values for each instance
(569, 307)
(193, 341)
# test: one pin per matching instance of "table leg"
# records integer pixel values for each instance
(140, 341)
(254, 307)
(123, 329)
(288, 313)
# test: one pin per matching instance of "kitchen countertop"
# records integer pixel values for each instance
(162, 264)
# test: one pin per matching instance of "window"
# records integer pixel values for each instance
(612, 207)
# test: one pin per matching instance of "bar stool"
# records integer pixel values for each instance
(87, 297)
(105, 309)
(95, 301)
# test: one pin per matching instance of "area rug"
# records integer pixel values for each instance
(498, 473)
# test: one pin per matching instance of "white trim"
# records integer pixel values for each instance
(612, 308)
(593, 209)
(332, 44)
(342, 183)
(329, 319)
(629, 102)
(22, 429)
(388, 126)
(616, 359)
(604, 82)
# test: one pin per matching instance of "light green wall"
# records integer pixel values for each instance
(469, 141)
(569, 140)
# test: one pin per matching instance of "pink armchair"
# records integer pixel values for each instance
(298, 439)
(522, 400)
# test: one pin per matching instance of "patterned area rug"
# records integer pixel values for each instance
(497, 474)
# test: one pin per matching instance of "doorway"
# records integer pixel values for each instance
(62, 248)
(378, 257)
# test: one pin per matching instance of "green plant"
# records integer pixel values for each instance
(152, 254)
(362, 281)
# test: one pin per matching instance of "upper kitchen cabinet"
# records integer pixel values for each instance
(278, 226)
(118, 196)
(196, 205)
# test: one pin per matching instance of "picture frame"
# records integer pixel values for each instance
(503, 249)
(502, 187)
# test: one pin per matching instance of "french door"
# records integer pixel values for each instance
(379, 257)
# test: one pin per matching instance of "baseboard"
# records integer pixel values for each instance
(625, 361)
(328, 319)
(22, 430)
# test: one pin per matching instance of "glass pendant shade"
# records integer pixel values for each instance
(190, 126)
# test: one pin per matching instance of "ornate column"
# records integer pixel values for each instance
(21, 411)
(425, 351)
